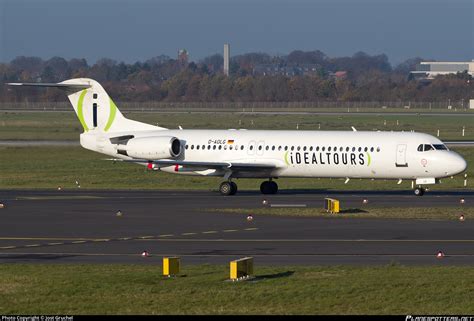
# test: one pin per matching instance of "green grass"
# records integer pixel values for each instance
(50, 167)
(65, 126)
(420, 213)
(140, 289)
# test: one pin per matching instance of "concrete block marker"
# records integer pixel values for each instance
(241, 269)
(171, 266)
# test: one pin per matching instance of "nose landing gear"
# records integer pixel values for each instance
(419, 191)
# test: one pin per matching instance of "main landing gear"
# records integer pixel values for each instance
(269, 187)
(230, 188)
(419, 191)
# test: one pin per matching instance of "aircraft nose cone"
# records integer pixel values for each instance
(459, 164)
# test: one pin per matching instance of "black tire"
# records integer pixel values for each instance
(225, 188)
(273, 187)
(234, 188)
(419, 191)
(265, 188)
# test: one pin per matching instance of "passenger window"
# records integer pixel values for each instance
(298, 149)
(353, 149)
(310, 148)
(286, 148)
(230, 147)
(267, 147)
(208, 146)
(197, 146)
(329, 148)
(242, 147)
(378, 149)
(341, 149)
(220, 147)
(203, 146)
(251, 147)
(360, 149)
(225, 147)
(273, 147)
(371, 149)
(214, 147)
(192, 146)
(317, 148)
(304, 148)
(292, 147)
(323, 148)
(366, 149)
(347, 149)
(279, 148)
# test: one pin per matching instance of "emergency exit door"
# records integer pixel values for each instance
(401, 156)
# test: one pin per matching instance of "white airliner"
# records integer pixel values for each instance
(267, 154)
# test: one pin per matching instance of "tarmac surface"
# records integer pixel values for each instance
(80, 226)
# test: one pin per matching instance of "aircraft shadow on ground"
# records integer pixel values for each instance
(273, 276)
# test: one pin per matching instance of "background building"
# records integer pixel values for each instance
(183, 56)
(226, 58)
(431, 69)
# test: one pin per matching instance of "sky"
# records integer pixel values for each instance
(136, 30)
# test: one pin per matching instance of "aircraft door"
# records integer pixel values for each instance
(401, 156)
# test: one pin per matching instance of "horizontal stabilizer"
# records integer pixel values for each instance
(59, 86)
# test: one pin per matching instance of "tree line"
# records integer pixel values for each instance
(161, 78)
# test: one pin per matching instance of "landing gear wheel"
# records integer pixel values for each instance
(226, 188)
(269, 187)
(419, 191)
(233, 188)
(274, 187)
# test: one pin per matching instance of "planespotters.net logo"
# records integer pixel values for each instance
(439, 318)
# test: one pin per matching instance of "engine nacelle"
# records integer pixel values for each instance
(152, 148)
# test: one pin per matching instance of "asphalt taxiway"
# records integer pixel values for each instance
(79, 226)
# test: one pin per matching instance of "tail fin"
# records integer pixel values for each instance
(94, 108)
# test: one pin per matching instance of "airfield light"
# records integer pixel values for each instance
(461, 218)
(440, 255)
(145, 254)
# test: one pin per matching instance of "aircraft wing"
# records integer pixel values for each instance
(208, 165)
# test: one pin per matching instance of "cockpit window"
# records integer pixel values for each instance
(428, 147)
(440, 147)
(420, 148)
